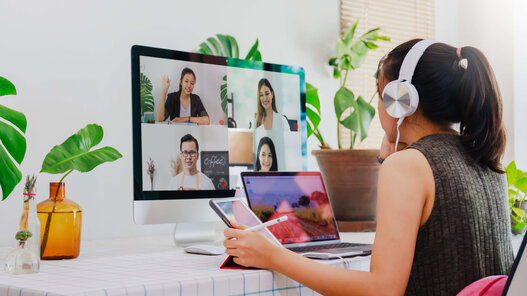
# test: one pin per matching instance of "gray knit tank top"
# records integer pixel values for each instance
(468, 234)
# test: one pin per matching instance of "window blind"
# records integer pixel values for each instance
(400, 21)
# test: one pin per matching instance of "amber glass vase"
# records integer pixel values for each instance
(60, 220)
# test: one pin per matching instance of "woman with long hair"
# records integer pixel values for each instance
(442, 214)
(267, 116)
(182, 106)
(266, 158)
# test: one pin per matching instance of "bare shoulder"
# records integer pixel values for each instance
(407, 167)
(409, 161)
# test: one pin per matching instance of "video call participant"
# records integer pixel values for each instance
(190, 178)
(182, 106)
(442, 215)
(266, 159)
(267, 116)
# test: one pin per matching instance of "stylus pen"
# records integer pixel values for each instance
(268, 223)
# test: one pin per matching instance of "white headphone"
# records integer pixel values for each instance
(400, 98)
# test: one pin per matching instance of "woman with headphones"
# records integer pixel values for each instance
(442, 214)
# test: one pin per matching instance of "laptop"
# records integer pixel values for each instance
(311, 229)
(516, 283)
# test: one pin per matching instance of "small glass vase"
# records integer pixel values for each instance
(29, 221)
(60, 220)
(22, 260)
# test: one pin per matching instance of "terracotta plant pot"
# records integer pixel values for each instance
(350, 177)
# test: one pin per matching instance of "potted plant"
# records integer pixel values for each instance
(61, 217)
(13, 139)
(517, 185)
(350, 174)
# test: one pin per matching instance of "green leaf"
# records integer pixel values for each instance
(518, 226)
(74, 154)
(521, 184)
(512, 173)
(257, 56)
(216, 45)
(336, 72)
(370, 45)
(6, 87)
(342, 49)
(360, 118)
(10, 175)
(371, 34)
(332, 62)
(205, 48)
(13, 141)
(344, 99)
(234, 46)
(147, 99)
(224, 96)
(16, 118)
(383, 38)
(348, 35)
(312, 102)
(359, 48)
(226, 45)
(252, 51)
(519, 212)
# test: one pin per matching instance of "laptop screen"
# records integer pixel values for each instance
(300, 196)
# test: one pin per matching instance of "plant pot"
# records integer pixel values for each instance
(524, 208)
(351, 177)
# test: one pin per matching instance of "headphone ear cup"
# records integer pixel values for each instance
(400, 98)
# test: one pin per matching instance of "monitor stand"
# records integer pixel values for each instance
(194, 233)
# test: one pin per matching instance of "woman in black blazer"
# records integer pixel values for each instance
(183, 105)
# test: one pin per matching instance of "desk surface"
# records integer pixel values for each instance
(154, 266)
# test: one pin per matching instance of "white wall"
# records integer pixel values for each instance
(520, 85)
(490, 25)
(70, 62)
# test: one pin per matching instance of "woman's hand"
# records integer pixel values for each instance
(165, 82)
(249, 248)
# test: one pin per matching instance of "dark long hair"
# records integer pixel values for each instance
(261, 111)
(269, 142)
(448, 93)
(184, 72)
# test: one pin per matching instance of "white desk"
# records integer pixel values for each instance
(154, 266)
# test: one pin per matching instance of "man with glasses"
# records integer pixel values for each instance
(190, 178)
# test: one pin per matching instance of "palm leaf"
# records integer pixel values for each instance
(147, 99)
(75, 154)
(6, 87)
(12, 140)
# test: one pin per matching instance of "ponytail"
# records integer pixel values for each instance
(457, 86)
(480, 108)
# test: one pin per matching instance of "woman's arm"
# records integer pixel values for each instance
(404, 181)
(165, 82)
(203, 120)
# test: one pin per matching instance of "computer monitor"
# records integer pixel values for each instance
(198, 122)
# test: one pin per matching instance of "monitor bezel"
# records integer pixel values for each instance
(136, 52)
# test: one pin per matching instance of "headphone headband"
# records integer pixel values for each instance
(412, 58)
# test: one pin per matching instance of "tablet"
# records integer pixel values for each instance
(235, 210)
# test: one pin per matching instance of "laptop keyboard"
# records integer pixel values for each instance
(324, 247)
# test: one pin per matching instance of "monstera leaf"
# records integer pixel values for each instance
(13, 142)
(360, 117)
(147, 100)
(227, 46)
(75, 154)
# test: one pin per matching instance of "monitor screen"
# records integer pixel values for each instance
(301, 197)
(200, 120)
